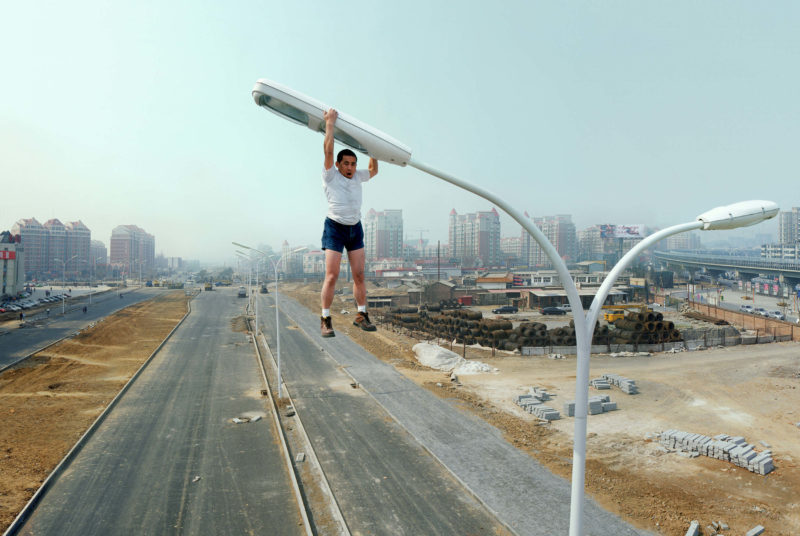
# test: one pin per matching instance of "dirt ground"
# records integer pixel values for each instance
(752, 391)
(48, 401)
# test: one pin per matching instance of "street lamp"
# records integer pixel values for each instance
(277, 316)
(94, 269)
(249, 279)
(64, 281)
(303, 110)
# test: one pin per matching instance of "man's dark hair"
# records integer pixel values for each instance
(343, 153)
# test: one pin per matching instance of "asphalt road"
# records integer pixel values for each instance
(21, 342)
(383, 480)
(168, 459)
(371, 447)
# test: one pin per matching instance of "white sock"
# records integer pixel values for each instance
(326, 313)
(362, 308)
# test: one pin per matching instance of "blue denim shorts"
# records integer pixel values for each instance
(337, 236)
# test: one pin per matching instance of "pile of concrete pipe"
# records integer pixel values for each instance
(644, 328)
(469, 327)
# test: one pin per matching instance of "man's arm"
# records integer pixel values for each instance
(330, 118)
(373, 167)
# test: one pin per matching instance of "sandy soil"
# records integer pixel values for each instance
(753, 391)
(48, 401)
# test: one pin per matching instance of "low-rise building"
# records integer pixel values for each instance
(12, 263)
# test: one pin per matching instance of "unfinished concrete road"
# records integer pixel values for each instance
(168, 459)
(18, 343)
(384, 481)
(522, 493)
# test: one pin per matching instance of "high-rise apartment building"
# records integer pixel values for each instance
(383, 234)
(54, 248)
(98, 254)
(79, 239)
(475, 238)
(789, 226)
(132, 248)
(511, 248)
(560, 231)
(34, 239)
(57, 247)
(683, 241)
(591, 245)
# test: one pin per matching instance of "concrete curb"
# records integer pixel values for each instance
(284, 446)
(336, 512)
(28, 509)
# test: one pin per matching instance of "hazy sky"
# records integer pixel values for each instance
(614, 112)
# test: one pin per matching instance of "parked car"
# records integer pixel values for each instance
(565, 307)
(777, 314)
(505, 309)
(746, 308)
(553, 311)
(760, 311)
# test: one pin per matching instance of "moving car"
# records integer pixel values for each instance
(553, 311)
(777, 314)
(760, 311)
(746, 308)
(505, 309)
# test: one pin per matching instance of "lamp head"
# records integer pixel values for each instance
(303, 110)
(742, 214)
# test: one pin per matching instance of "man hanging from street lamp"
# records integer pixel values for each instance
(342, 185)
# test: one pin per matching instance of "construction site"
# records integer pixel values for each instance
(702, 426)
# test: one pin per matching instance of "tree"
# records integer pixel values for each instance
(225, 274)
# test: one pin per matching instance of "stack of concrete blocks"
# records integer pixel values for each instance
(597, 404)
(626, 384)
(600, 383)
(533, 402)
(722, 447)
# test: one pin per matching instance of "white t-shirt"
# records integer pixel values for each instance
(344, 195)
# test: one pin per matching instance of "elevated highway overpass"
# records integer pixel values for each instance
(787, 271)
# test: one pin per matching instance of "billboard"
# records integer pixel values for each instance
(608, 230)
(8, 255)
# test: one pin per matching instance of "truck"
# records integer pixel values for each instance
(208, 286)
(612, 313)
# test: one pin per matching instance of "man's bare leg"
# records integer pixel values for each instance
(357, 260)
(332, 262)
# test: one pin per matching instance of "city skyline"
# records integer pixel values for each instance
(160, 127)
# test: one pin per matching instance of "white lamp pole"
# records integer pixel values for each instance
(277, 306)
(64, 282)
(306, 111)
(94, 275)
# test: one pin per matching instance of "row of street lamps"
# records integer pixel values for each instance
(303, 110)
(266, 256)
